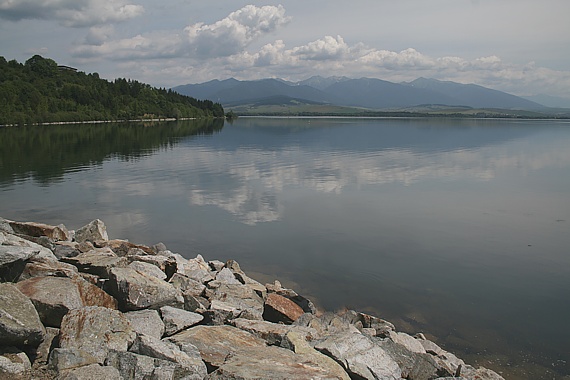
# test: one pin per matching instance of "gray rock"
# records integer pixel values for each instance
(96, 330)
(216, 265)
(472, 373)
(300, 346)
(273, 333)
(195, 304)
(43, 267)
(146, 268)
(54, 233)
(414, 365)
(407, 341)
(94, 231)
(146, 322)
(5, 227)
(50, 341)
(238, 299)
(97, 261)
(91, 372)
(53, 297)
(19, 321)
(14, 364)
(431, 347)
(165, 350)
(135, 290)
(16, 241)
(227, 277)
(176, 320)
(62, 359)
(359, 356)
(66, 249)
(133, 366)
(10, 254)
(216, 343)
(272, 362)
(187, 285)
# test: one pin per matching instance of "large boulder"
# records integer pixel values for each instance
(146, 322)
(149, 269)
(176, 320)
(359, 356)
(135, 366)
(216, 343)
(53, 297)
(280, 309)
(94, 231)
(275, 363)
(43, 267)
(240, 300)
(96, 330)
(97, 261)
(54, 233)
(19, 321)
(135, 290)
(191, 365)
(16, 241)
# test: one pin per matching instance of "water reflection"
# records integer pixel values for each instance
(46, 153)
(249, 181)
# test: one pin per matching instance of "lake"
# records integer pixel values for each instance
(458, 228)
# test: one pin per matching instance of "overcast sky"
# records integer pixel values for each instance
(518, 46)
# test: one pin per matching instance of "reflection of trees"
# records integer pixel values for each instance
(47, 152)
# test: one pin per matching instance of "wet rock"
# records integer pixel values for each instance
(53, 297)
(14, 364)
(146, 322)
(165, 350)
(96, 330)
(216, 343)
(359, 356)
(135, 290)
(97, 261)
(176, 320)
(19, 321)
(280, 309)
(91, 372)
(149, 269)
(304, 303)
(54, 233)
(94, 231)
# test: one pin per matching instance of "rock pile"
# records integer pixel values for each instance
(76, 305)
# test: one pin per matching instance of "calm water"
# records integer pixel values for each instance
(457, 228)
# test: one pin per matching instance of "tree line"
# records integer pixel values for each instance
(40, 91)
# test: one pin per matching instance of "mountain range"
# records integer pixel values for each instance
(369, 93)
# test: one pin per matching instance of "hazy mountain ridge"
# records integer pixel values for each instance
(370, 93)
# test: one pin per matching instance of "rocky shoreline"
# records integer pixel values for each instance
(77, 305)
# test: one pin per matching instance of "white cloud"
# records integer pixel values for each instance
(235, 32)
(323, 49)
(72, 13)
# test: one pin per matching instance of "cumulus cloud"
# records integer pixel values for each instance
(233, 33)
(72, 13)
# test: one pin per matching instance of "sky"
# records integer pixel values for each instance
(518, 46)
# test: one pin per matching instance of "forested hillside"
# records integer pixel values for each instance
(40, 91)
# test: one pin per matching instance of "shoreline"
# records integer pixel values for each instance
(76, 304)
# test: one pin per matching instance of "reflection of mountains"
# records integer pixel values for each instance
(256, 175)
(47, 152)
(365, 135)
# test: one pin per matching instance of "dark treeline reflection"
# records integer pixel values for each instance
(46, 153)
